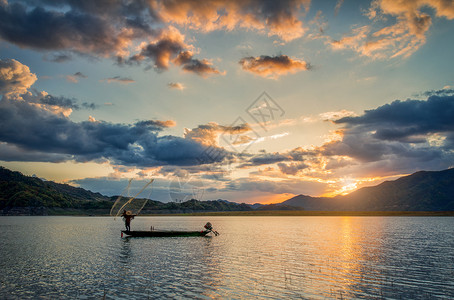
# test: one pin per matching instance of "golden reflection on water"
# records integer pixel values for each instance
(305, 255)
(254, 257)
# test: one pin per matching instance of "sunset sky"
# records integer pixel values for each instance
(249, 101)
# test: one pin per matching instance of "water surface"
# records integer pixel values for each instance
(254, 257)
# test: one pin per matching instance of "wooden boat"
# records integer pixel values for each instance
(162, 233)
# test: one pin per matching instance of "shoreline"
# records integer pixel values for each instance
(279, 213)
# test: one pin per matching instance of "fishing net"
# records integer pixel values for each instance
(132, 204)
(182, 189)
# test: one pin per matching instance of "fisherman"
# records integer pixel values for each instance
(127, 216)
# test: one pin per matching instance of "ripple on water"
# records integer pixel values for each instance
(254, 257)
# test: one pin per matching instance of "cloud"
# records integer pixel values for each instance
(338, 6)
(169, 47)
(10, 152)
(265, 159)
(37, 122)
(292, 168)
(402, 120)
(33, 129)
(75, 77)
(57, 57)
(400, 39)
(446, 91)
(396, 138)
(273, 66)
(15, 82)
(82, 28)
(118, 79)
(200, 67)
(59, 101)
(336, 115)
(15, 78)
(157, 123)
(278, 18)
(208, 134)
(275, 187)
(112, 29)
(176, 85)
(162, 50)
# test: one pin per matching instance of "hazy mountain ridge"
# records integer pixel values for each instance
(421, 191)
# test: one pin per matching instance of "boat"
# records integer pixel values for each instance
(169, 233)
(164, 233)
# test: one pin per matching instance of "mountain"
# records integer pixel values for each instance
(25, 195)
(17, 190)
(421, 191)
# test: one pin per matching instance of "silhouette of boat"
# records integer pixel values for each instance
(170, 233)
(164, 233)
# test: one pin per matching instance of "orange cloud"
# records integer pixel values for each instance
(400, 39)
(273, 66)
(176, 85)
(279, 18)
(208, 134)
(118, 79)
(162, 49)
(15, 78)
(169, 47)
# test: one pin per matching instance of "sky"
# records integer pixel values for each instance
(248, 101)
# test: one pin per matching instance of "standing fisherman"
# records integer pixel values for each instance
(127, 216)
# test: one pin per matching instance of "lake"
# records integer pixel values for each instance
(253, 257)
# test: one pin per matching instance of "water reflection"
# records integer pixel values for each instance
(125, 251)
(254, 257)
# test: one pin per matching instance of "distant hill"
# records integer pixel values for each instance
(18, 190)
(25, 195)
(421, 191)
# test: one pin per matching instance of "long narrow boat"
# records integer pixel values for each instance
(155, 233)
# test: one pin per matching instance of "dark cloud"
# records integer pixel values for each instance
(75, 77)
(170, 47)
(58, 57)
(443, 92)
(162, 51)
(396, 138)
(33, 129)
(403, 136)
(263, 158)
(200, 67)
(43, 29)
(110, 28)
(266, 159)
(80, 75)
(59, 101)
(404, 120)
(292, 168)
(14, 153)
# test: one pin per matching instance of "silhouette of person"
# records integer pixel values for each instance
(127, 216)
